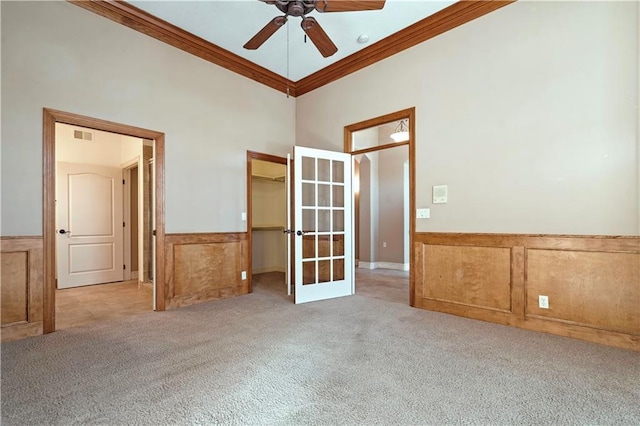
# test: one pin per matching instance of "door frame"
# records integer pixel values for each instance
(127, 167)
(252, 155)
(405, 114)
(50, 118)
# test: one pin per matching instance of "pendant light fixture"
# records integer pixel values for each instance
(401, 134)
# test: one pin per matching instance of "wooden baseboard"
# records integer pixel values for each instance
(383, 265)
(592, 282)
(21, 330)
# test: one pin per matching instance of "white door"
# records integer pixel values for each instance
(90, 243)
(152, 164)
(323, 224)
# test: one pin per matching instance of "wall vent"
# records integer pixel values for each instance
(85, 136)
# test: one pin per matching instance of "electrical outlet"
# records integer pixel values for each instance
(384, 244)
(543, 301)
(244, 275)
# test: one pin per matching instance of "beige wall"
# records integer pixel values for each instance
(59, 56)
(106, 149)
(529, 117)
(528, 114)
(391, 204)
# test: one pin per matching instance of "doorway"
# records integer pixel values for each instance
(103, 216)
(266, 222)
(50, 119)
(384, 158)
(312, 215)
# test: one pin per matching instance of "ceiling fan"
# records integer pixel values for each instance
(310, 26)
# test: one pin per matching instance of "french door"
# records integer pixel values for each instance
(323, 224)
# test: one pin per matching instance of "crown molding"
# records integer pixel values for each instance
(451, 17)
(139, 20)
(446, 19)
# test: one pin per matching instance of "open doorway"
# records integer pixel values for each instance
(383, 154)
(104, 225)
(266, 222)
(108, 222)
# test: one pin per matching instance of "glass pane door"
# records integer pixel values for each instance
(323, 224)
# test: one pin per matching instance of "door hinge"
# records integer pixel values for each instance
(123, 181)
(123, 225)
(124, 266)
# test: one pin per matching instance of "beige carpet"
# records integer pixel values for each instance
(259, 359)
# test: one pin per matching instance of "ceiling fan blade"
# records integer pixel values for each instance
(264, 34)
(318, 36)
(348, 5)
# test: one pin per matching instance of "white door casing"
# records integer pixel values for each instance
(90, 244)
(152, 164)
(287, 182)
(323, 224)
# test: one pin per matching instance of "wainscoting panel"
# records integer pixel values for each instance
(592, 282)
(594, 289)
(472, 276)
(202, 267)
(21, 287)
(15, 287)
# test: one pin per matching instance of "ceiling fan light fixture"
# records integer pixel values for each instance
(401, 134)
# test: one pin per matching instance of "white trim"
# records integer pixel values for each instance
(126, 229)
(384, 265)
(127, 167)
(394, 266)
(288, 206)
(134, 161)
(153, 215)
(366, 265)
(134, 275)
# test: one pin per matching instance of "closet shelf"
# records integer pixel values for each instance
(272, 178)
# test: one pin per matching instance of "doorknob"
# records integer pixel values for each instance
(300, 233)
(62, 231)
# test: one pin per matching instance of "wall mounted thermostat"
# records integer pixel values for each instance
(440, 194)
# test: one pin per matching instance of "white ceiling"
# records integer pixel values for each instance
(231, 23)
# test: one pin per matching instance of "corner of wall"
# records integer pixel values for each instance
(638, 120)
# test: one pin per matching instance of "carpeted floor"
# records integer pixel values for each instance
(259, 359)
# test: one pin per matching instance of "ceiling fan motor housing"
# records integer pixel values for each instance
(296, 7)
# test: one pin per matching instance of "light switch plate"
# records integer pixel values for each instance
(244, 216)
(423, 213)
(440, 193)
(243, 275)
